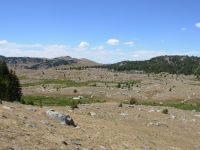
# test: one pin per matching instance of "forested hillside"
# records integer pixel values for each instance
(171, 64)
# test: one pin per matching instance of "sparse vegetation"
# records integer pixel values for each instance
(195, 105)
(57, 101)
(132, 101)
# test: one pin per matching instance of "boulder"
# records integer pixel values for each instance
(65, 119)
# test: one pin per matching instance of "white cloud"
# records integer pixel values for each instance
(130, 43)
(113, 42)
(98, 53)
(3, 42)
(197, 25)
(84, 45)
(99, 47)
(183, 29)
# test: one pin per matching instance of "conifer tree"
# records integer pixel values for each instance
(10, 89)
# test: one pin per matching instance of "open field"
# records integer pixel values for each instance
(112, 86)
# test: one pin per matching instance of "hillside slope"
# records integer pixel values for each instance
(44, 63)
(110, 127)
(171, 64)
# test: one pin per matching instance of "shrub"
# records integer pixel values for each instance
(74, 105)
(22, 101)
(120, 105)
(133, 101)
(75, 91)
(118, 85)
(165, 111)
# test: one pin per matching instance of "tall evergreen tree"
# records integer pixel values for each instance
(10, 89)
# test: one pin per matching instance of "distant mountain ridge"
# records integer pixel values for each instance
(45, 63)
(172, 64)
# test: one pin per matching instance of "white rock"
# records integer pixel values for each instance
(172, 117)
(64, 119)
(6, 107)
(159, 110)
(92, 113)
(151, 110)
(77, 98)
(124, 114)
(140, 109)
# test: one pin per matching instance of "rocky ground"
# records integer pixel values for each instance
(99, 127)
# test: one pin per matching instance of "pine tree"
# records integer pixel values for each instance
(10, 89)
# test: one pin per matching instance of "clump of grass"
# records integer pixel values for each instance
(57, 101)
(40, 103)
(132, 101)
(30, 102)
(165, 111)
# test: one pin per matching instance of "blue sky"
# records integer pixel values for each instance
(102, 30)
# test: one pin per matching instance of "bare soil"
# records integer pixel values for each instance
(110, 127)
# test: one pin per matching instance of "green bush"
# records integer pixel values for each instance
(74, 105)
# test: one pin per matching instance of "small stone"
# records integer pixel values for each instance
(151, 110)
(149, 124)
(172, 117)
(76, 142)
(64, 142)
(92, 113)
(124, 114)
(131, 106)
(160, 124)
(140, 109)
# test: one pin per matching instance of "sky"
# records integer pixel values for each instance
(105, 31)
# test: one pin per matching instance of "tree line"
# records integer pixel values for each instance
(171, 64)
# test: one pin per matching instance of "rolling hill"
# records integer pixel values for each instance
(45, 63)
